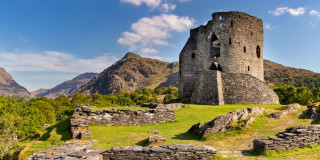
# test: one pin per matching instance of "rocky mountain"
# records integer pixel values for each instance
(9, 87)
(130, 73)
(65, 88)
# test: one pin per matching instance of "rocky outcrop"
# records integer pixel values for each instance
(224, 122)
(73, 149)
(173, 152)
(65, 88)
(289, 109)
(9, 87)
(294, 137)
(83, 116)
(311, 112)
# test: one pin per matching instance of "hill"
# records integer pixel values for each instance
(277, 74)
(65, 88)
(9, 87)
(130, 73)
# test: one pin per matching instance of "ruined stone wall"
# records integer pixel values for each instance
(83, 116)
(176, 151)
(294, 137)
(230, 42)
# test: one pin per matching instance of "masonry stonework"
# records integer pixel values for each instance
(232, 42)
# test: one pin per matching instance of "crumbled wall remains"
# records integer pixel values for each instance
(294, 137)
(83, 116)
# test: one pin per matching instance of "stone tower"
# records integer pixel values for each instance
(232, 42)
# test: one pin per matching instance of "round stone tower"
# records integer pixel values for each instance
(230, 42)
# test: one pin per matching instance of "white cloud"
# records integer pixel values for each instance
(54, 61)
(268, 26)
(149, 51)
(167, 7)
(162, 5)
(314, 13)
(148, 33)
(149, 3)
(292, 11)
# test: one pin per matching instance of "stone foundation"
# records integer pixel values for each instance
(294, 137)
(173, 152)
(83, 116)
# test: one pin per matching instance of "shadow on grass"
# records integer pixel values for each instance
(187, 136)
(62, 128)
(143, 143)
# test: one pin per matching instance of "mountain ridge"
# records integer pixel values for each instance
(64, 88)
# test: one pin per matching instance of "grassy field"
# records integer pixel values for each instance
(175, 132)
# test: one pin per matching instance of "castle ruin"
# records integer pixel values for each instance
(222, 62)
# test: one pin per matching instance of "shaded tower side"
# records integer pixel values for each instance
(230, 42)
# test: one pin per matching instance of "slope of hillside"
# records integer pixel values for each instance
(130, 73)
(65, 88)
(9, 87)
(277, 74)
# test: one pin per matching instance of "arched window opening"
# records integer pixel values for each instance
(248, 68)
(216, 66)
(220, 17)
(231, 23)
(258, 51)
(230, 41)
(244, 49)
(193, 55)
(215, 46)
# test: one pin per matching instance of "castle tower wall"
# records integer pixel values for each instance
(230, 42)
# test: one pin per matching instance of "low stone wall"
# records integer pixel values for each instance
(223, 123)
(83, 116)
(294, 137)
(74, 149)
(176, 151)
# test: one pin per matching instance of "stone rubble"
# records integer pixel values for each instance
(73, 149)
(294, 137)
(172, 152)
(156, 140)
(223, 123)
(171, 106)
(289, 109)
(311, 112)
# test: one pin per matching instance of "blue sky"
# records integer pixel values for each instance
(43, 43)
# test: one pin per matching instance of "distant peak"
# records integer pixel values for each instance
(131, 55)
